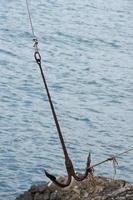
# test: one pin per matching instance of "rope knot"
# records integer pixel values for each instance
(35, 43)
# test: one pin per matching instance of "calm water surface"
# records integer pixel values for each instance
(87, 51)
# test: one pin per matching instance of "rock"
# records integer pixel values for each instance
(33, 189)
(85, 194)
(27, 196)
(42, 188)
(74, 196)
(46, 195)
(92, 188)
(76, 189)
(38, 196)
(53, 196)
(51, 186)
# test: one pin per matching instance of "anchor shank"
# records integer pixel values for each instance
(54, 113)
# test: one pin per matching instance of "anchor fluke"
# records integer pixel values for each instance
(54, 180)
(50, 176)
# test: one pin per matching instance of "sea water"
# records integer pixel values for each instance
(87, 55)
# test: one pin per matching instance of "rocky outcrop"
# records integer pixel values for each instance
(92, 188)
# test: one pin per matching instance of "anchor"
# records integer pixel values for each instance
(68, 163)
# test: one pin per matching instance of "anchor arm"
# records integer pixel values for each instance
(88, 170)
(70, 171)
(54, 180)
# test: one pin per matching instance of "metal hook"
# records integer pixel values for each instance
(71, 173)
(69, 166)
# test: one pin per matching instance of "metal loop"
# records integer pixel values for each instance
(37, 57)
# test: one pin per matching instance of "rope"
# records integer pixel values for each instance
(35, 45)
(126, 151)
(31, 24)
(111, 158)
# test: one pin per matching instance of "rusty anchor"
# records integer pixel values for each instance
(68, 163)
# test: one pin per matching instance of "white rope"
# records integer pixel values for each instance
(31, 24)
